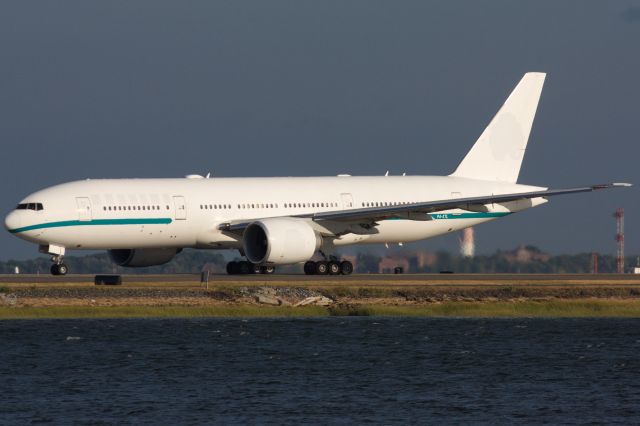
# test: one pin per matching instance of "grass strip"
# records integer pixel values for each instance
(241, 311)
(545, 309)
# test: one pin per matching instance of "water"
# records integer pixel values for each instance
(322, 371)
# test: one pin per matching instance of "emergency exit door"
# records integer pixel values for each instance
(347, 201)
(84, 209)
(180, 207)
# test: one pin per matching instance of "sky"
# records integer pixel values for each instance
(296, 88)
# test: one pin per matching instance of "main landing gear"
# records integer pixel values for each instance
(331, 267)
(244, 267)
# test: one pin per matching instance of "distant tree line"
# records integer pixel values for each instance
(189, 261)
(193, 261)
(499, 263)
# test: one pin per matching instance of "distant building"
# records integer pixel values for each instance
(524, 254)
(425, 259)
(389, 263)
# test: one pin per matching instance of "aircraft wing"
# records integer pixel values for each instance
(373, 214)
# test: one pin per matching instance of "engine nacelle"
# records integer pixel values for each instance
(142, 257)
(280, 241)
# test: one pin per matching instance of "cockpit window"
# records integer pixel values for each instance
(30, 206)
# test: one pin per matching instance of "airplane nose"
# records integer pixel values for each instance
(13, 221)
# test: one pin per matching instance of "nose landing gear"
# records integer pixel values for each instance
(56, 252)
(58, 267)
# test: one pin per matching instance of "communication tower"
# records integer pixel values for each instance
(619, 215)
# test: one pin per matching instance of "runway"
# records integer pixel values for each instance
(336, 280)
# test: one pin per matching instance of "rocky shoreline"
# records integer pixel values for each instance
(42, 296)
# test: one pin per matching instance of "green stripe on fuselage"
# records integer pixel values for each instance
(479, 215)
(448, 216)
(64, 223)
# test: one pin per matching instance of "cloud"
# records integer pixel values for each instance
(631, 14)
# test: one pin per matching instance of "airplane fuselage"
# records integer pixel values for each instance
(146, 213)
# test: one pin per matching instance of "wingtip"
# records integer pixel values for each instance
(612, 185)
(538, 74)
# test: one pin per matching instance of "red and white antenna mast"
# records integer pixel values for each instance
(619, 215)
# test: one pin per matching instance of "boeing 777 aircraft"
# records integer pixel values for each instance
(279, 221)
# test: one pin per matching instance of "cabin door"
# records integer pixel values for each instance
(84, 209)
(347, 201)
(180, 206)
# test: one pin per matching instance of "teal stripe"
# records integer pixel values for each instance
(447, 216)
(482, 215)
(143, 221)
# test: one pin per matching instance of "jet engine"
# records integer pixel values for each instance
(280, 241)
(142, 257)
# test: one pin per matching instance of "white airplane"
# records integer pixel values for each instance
(279, 221)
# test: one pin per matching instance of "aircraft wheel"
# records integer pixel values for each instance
(232, 268)
(334, 267)
(310, 267)
(62, 269)
(256, 269)
(346, 267)
(268, 269)
(244, 267)
(54, 269)
(321, 268)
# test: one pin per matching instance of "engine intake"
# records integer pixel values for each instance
(280, 241)
(142, 257)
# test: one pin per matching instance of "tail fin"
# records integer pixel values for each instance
(497, 154)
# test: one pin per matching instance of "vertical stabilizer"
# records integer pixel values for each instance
(498, 153)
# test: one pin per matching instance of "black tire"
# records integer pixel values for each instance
(268, 269)
(245, 267)
(54, 269)
(62, 269)
(256, 269)
(321, 268)
(334, 267)
(346, 267)
(310, 267)
(232, 268)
